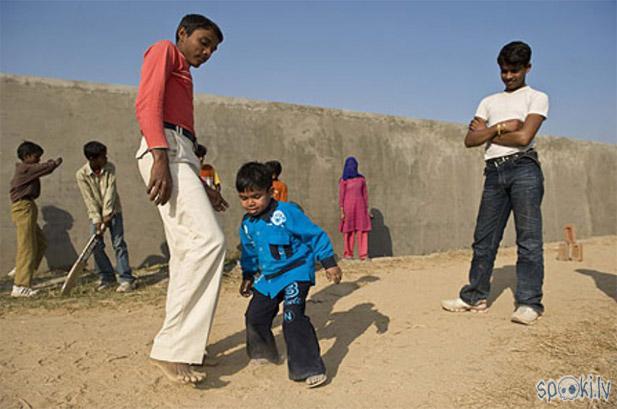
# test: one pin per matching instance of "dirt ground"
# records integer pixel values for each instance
(384, 338)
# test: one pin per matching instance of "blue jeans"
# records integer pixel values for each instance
(303, 354)
(102, 265)
(517, 186)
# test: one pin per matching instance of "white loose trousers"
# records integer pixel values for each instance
(197, 253)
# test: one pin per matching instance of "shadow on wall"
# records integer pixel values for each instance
(155, 259)
(379, 239)
(60, 252)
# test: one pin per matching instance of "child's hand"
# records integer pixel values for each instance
(100, 228)
(342, 215)
(334, 274)
(246, 288)
(58, 161)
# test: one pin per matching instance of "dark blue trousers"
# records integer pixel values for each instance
(516, 186)
(303, 354)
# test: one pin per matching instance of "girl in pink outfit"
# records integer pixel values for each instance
(353, 202)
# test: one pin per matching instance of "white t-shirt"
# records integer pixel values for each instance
(511, 105)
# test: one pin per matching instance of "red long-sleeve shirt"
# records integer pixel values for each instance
(165, 93)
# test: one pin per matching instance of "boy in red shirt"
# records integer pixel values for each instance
(170, 168)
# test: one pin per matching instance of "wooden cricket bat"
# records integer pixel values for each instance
(80, 264)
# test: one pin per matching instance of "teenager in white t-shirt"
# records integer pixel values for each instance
(506, 124)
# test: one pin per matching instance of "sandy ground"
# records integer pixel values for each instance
(384, 339)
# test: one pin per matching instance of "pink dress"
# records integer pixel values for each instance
(353, 198)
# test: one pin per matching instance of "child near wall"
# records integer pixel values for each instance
(25, 188)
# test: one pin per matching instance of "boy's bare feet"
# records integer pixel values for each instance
(179, 372)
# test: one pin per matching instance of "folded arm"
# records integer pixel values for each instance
(522, 136)
(512, 132)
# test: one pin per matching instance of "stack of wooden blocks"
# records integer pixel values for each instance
(570, 249)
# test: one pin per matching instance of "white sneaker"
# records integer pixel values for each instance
(525, 315)
(19, 291)
(12, 272)
(458, 305)
(126, 287)
(105, 285)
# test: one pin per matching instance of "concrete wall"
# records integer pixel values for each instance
(423, 183)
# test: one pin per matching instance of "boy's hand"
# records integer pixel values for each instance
(107, 219)
(511, 125)
(100, 228)
(334, 274)
(58, 161)
(159, 188)
(246, 288)
(477, 124)
(219, 204)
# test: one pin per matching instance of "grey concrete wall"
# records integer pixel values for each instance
(423, 183)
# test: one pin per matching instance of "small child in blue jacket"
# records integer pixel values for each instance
(280, 245)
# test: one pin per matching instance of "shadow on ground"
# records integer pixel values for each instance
(345, 327)
(503, 278)
(605, 282)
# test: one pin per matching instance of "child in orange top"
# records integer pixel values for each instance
(207, 173)
(280, 188)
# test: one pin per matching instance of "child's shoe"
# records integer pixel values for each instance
(12, 272)
(458, 305)
(19, 291)
(258, 362)
(314, 381)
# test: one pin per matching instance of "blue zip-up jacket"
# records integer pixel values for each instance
(280, 246)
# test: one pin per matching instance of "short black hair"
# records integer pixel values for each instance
(275, 167)
(192, 22)
(201, 151)
(516, 53)
(253, 176)
(94, 149)
(29, 148)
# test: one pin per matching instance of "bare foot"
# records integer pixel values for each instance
(179, 372)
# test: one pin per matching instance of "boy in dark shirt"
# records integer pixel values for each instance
(25, 188)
